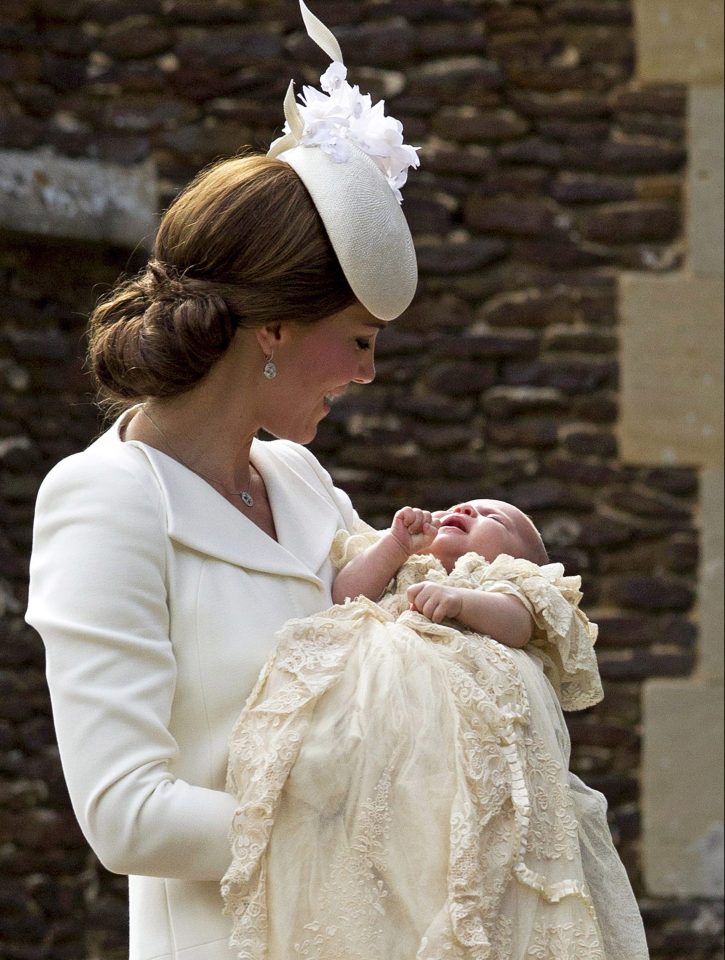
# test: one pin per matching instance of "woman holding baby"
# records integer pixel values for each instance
(169, 554)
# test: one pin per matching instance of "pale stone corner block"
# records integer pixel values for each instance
(672, 360)
(706, 192)
(679, 42)
(682, 788)
(45, 194)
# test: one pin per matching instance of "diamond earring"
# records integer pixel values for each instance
(270, 368)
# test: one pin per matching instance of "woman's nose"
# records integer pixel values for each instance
(366, 371)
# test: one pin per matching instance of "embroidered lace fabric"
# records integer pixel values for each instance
(403, 787)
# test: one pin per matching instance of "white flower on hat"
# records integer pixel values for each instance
(342, 116)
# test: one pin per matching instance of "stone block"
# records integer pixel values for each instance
(537, 432)
(640, 222)
(458, 379)
(604, 12)
(682, 789)
(228, 48)
(455, 80)
(514, 217)
(383, 43)
(468, 125)
(705, 182)
(566, 105)
(574, 131)
(656, 593)
(678, 42)
(532, 150)
(134, 37)
(53, 196)
(452, 257)
(710, 597)
(626, 157)
(672, 334)
(436, 39)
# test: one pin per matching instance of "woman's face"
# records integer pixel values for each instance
(315, 365)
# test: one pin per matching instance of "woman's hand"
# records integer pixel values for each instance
(413, 529)
(436, 601)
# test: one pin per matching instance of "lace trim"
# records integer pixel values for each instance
(503, 806)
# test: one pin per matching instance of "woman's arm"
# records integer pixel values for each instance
(498, 615)
(370, 572)
(98, 598)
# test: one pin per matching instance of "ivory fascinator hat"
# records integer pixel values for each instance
(353, 162)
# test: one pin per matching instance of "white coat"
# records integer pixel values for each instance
(158, 602)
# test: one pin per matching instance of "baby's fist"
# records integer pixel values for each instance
(414, 529)
(436, 601)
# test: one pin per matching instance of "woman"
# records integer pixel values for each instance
(270, 280)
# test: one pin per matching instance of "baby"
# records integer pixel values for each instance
(401, 767)
(486, 527)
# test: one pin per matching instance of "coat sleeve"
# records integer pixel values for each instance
(98, 599)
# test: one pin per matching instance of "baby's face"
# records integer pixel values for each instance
(486, 527)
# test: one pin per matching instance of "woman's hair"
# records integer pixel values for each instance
(241, 246)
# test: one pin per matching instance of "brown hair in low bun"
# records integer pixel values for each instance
(242, 246)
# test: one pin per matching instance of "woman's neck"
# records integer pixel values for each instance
(209, 428)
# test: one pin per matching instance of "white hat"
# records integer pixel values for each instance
(353, 162)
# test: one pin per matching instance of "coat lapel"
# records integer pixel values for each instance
(202, 520)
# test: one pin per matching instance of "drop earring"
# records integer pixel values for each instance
(270, 368)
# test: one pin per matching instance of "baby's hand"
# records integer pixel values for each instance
(413, 529)
(436, 601)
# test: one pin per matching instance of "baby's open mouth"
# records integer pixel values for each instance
(456, 521)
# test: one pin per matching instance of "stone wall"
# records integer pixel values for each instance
(547, 172)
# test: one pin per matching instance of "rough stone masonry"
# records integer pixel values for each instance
(546, 172)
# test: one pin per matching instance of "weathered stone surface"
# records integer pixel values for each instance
(387, 43)
(132, 37)
(468, 125)
(654, 593)
(539, 433)
(593, 11)
(456, 80)
(217, 11)
(532, 150)
(533, 308)
(459, 379)
(502, 403)
(476, 352)
(590, 443)
(627, 157)
(633, 223)
(435, 409)
(76, 198)
(518, 181)
(429, 214)
(582, 340)
(137, 113)
(561, 106)
(582, 188)
(436, 39)
(571, 131)
(227, 48)
(487, 345)
(459, 256)
(518, 217)
(447, 158)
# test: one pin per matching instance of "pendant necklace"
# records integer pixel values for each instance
(246, 496)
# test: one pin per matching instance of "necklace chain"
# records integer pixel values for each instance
(246, 496)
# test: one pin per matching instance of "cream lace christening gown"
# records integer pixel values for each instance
(404, 791)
